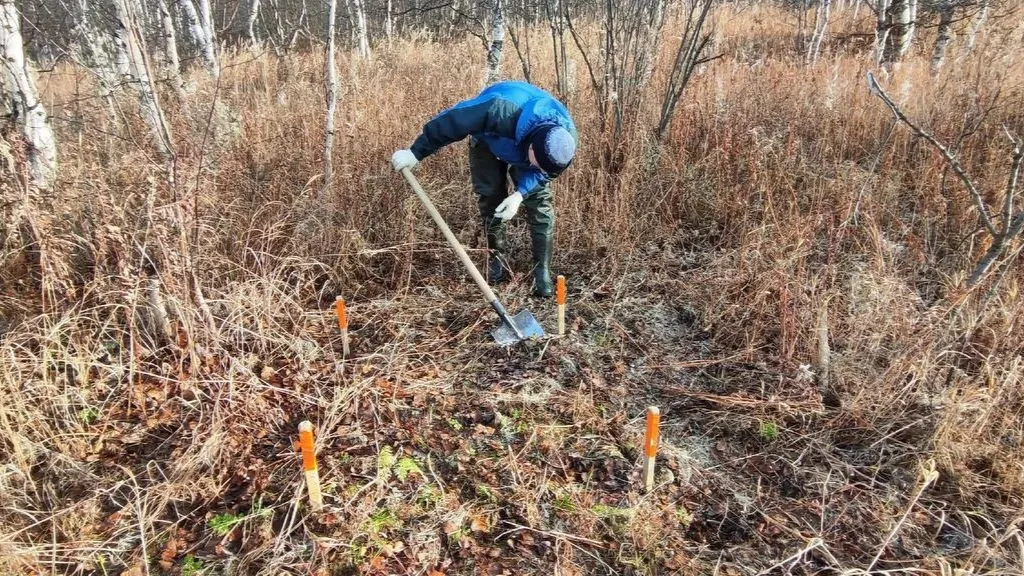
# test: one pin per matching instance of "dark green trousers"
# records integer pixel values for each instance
(488, 175)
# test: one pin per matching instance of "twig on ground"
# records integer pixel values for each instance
(930, 476)
(550, 534)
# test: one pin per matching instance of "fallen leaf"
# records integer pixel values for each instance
(168, 553)
(450, 528)
(479, 524)
(435, 573)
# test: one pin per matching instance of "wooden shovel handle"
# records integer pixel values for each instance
(452, 241)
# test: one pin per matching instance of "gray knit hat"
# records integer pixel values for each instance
(554, 148)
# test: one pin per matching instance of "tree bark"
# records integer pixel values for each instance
(976, 25)
(944, 35)
(364, 39)
(331, 81)
(246, 27)
(200, 35)
(170, 56)
(133, 44)
(902, 28)
(206, 13)
(881, 30)
(821, 22)
(29, 111)
(497, 44)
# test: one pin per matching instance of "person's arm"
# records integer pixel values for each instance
(528, 180)
(469, 117)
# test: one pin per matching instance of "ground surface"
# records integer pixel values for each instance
(442, 453)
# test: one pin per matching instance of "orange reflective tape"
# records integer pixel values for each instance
(306, 445)
(560, 290)
(651, 437)
(339, 305)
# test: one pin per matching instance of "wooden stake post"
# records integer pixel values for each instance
(560, 298)
(651, 446)
(339, 305)
(309, 466)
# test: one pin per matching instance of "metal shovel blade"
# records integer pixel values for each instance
(525, 322)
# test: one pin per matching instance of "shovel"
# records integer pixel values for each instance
(512, 328)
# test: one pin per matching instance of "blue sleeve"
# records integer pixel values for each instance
(452, 125)
(528, 180)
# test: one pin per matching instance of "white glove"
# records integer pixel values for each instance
(509, 207)
(403, 159)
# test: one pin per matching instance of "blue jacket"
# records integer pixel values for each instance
(502, 116)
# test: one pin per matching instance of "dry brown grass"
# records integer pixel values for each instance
(697, 275)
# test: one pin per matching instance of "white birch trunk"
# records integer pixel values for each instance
(389, 25)
(91, 49)
(251, 14)
(170, 56)
(353, 26)
(903, 28)
(31, 114)
(944, 35)
(821, 21)
(364, 40)
(206, 13)
(332, 100)
(497, 44)
(911, 28)
(133, 44)
(200, 37)
(976, 24)
(881, 30)
(455, 16)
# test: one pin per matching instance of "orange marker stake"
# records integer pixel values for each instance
(309, 464)
(560, 299)
(651, 446)
(339, 306)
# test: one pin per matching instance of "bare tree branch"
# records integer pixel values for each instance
(954, 164)
(590, 69)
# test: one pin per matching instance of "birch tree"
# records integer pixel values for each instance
(821, 22)
(976, 25)
(881, 30)
(332, 99)
(170, 45)
(904, 18)
(497, 44)
(206, 13)
(27, 109)
(132, 42)
(944, 35)
(364, 39)
(247, 26)
(200, 33)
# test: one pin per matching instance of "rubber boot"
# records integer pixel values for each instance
(497, 262)
(540, 214)
(542, 285)
(487, 174)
